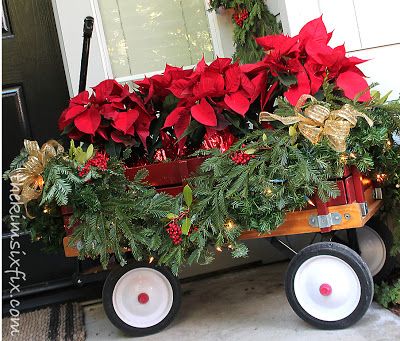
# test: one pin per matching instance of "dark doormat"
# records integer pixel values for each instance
(56, 323)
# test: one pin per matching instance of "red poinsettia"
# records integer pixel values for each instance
(111, 111)
(308, 57)
(207, 91)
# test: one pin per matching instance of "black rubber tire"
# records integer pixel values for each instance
(387, 237)
(108, 289)
(350, 257)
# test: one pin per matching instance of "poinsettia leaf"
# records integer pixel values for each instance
(211, 84)
(88, 121)
(179, 88)
(81, 99)
(302, 87)
(174, 116)
(201, 65)
(170, 103)
(352, 84)
(142, 127)
(287, 79)
(280, 43)
(232, 78)
(220, 64)
(315, 30)
(187, 195)
(125, 119)
(119, 137)
(74, 111)
(237, 102)
(204, 113)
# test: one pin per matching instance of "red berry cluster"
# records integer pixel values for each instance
(241, 16)
(99, 161)
(241, 158)
(175, 232)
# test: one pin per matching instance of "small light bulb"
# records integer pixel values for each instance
(151, 259)
(230, 246)
(309, 200)
(388, 143)
(218, 248)
(268, 190)
(46, 210)
(229, 225)
(352, 155)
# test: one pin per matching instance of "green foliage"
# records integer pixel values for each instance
(60, 180)
(387, 294)
(257, 195)
(259, 23)
(18, 162)
(78, 154)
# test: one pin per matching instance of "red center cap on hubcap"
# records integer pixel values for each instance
(143, 298)
(325, 289)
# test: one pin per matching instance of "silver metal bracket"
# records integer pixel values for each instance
(364, 209)
(377, 193)
(324, 221)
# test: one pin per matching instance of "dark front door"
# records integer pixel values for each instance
(34, 94)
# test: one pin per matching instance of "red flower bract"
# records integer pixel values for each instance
(207, 91)
(111, 111)
(308, 57)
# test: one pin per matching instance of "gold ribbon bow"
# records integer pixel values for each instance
(29, 177)
(319, 121)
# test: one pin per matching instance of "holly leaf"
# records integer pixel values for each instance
(171, 216)
(186, 226)
(250, 151)
(89, 151)
(187, 195)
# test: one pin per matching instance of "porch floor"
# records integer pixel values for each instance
(245, 305)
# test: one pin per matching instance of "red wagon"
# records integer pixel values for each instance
(328, 284)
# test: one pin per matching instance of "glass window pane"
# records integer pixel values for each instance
(143, 35)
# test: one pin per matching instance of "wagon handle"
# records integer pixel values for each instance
(87, 34)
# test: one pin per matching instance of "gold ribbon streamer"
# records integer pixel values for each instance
(318, 121)
(29, 177)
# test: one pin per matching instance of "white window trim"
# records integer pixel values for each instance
(99, 60)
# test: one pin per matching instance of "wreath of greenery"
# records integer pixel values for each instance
(251, 19)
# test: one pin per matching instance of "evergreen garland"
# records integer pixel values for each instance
(257, 22)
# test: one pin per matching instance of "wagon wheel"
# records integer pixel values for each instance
(375, 241)
(141, 299)
(329, 285)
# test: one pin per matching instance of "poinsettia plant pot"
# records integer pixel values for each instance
(167, 174)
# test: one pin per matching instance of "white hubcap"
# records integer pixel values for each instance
(327, 288)
(373, 249)
(142, 297)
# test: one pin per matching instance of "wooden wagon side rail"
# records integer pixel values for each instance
(298, 222)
